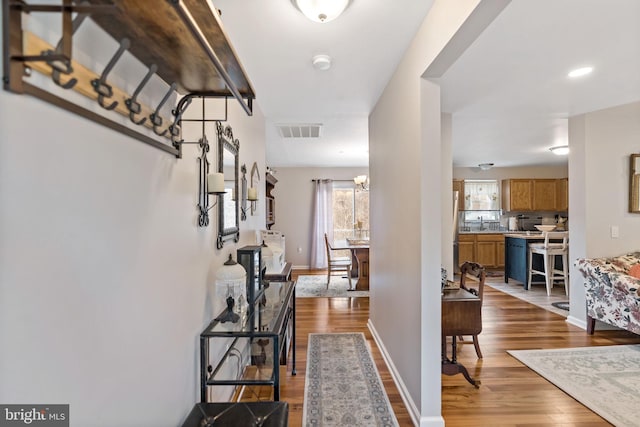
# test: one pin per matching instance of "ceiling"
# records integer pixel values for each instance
(508, 93)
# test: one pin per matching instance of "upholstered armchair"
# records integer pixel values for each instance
(611, 288)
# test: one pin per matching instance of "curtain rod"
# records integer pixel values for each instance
(337, 180)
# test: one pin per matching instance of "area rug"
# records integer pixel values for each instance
(342, 386)
(562, 305)
(316, 286)
(605, 379)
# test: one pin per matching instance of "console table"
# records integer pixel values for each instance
(283, 276)
(461, 315)
(268, 329)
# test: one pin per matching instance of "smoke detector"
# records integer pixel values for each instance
(321, 62)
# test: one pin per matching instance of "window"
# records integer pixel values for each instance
(350, 210)
(481, 200)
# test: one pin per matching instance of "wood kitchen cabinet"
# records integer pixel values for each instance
(535, 194)
(544, 194)
(562, 194)
(466, 248)
(490, 249)
(517, 194)
(483, 248)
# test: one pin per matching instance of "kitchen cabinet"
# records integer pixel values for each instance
(544, 194)
(535, 195)
(466, 248)
(500, 253)
(517, 194)
(562, 194)
(484, 248)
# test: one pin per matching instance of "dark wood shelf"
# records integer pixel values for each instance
(160, 35)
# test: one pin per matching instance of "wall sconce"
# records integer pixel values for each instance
(362, 182)
(252, 195)
(207, 183)
(243, 193)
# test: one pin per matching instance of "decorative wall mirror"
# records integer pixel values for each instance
(228, 205)
(634, 184)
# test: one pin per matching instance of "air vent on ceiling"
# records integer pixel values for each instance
(300, 130)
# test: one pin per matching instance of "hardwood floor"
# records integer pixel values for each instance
(510, 395)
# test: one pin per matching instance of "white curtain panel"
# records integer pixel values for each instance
(322, 222)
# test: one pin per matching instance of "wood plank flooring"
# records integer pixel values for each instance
(510, 395)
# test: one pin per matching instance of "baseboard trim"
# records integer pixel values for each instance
(404, 393)
(582, 324)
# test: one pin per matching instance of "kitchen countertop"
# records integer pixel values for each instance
(524, 235)
(483, 232)
(519, 234)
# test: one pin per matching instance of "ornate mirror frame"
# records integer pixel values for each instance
(227, 144)
(634, 183)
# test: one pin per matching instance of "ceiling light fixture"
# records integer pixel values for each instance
(579, 72)
(321, 62)
(361, 182)
(485, 166)
(560, 150)
(321, 10)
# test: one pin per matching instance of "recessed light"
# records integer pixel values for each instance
(579, 72)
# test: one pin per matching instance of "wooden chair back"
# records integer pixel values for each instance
(477, 272)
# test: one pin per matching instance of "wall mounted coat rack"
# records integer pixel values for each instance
(181, 41)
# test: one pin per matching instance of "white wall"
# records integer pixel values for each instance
(106, 278)
(601, 143)
(293, 194)
(407, 208)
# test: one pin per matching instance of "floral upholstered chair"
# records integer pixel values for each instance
(611, 288)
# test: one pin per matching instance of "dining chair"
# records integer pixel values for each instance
(549, 251)
(478, 274)
(337, 263)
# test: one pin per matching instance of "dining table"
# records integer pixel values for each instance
(360, 260)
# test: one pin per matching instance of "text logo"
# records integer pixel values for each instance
(34, 415)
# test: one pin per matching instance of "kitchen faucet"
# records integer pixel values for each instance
(481, 223)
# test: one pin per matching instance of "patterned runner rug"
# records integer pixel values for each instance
(316, 286)
(605, 379)
(343, 386)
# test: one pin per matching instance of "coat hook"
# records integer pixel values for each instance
(65, 67)
(132, 104)
(155, 116)
(100, 85)
(174, 129)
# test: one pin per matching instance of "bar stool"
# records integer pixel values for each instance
(550, 251)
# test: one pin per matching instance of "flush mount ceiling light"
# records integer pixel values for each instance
(321, 62)
(485, 166)
(579, 72)
(321, 10)
(560, 150)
